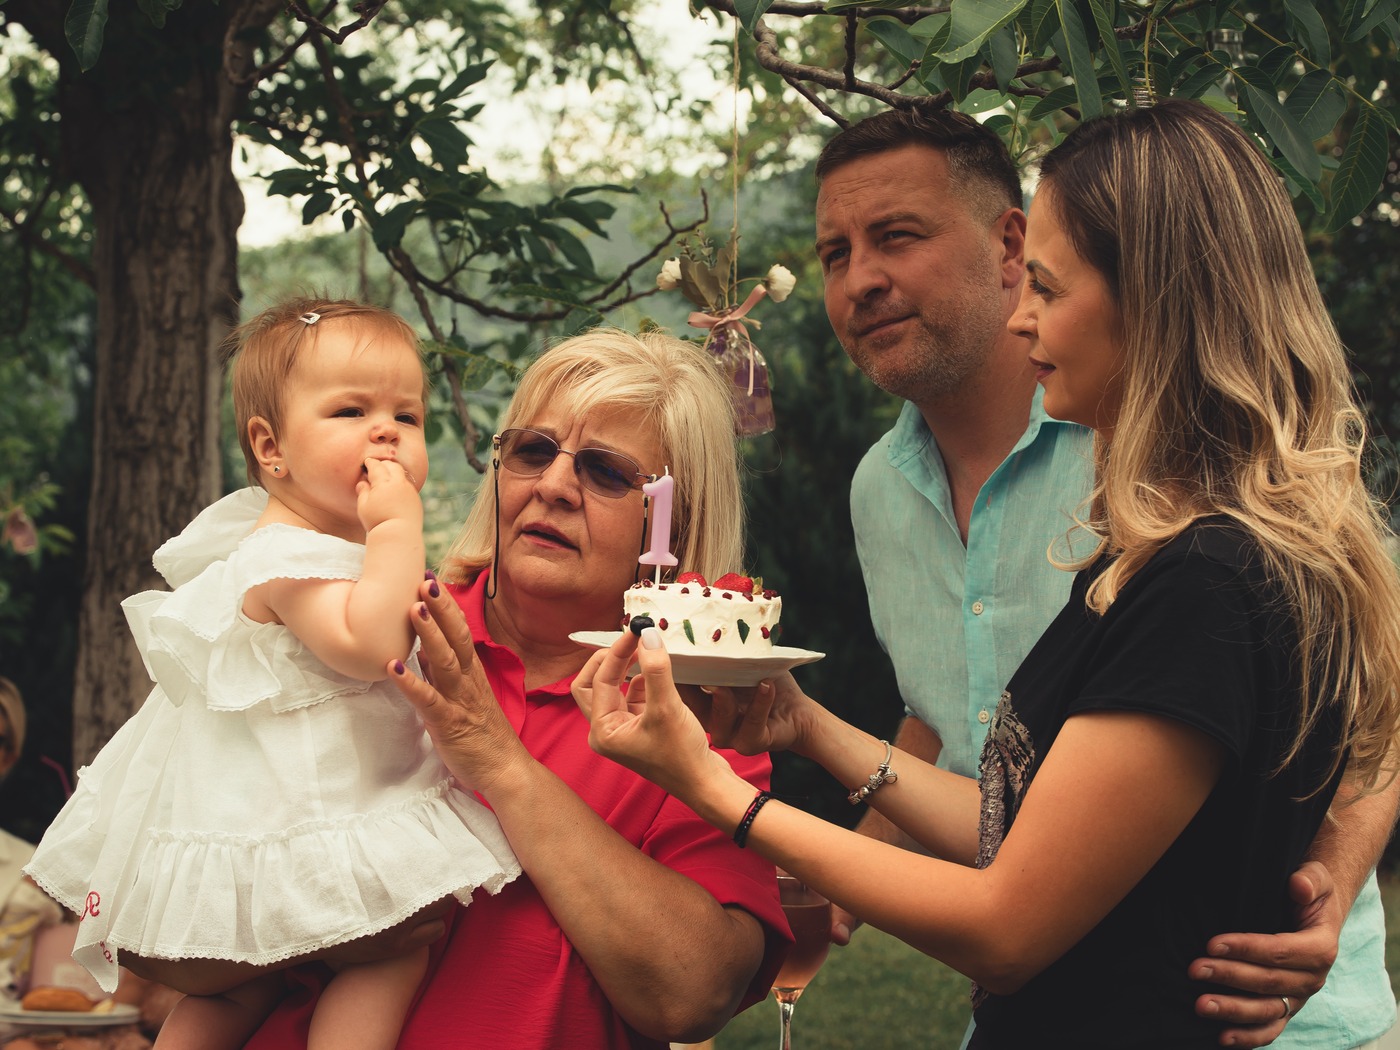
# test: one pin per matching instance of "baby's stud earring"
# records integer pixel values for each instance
(276, 470)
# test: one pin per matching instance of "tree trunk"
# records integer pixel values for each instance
(148, 135)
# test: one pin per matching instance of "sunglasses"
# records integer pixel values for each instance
(529, 454)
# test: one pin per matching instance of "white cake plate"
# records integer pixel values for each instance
(121, 1013)
(690, 669)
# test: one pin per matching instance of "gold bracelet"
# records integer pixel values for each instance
(878, 779)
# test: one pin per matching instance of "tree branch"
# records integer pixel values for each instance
(239, 65)
(799, 9)
(32, 241)
(820, 106)
(367, 10)
(400, 261)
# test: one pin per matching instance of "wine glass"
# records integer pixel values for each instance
(809, 915)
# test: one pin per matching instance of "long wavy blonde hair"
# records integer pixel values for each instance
(1237, 398)
(672, 386)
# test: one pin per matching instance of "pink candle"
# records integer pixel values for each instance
(660, 492)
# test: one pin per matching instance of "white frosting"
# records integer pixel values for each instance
(706, 620)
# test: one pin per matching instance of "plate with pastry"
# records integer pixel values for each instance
(51, 1006)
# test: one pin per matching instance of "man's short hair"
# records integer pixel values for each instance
(978, 161)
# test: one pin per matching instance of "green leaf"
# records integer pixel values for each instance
(447, 142)
(689, 631)
(743, 631)
(473, 74)
(476, 370)
(1297, 184)
(282, 143)
(1277, 63)
(1381, 10)
(1041, 24)
(84, 25)
(699, 285)
(569, 246)
(1061, 98)
(1006, 56)
(1317, 102)
(587, 214)
(549, 295)
(389, 227)
(973, 22)
(156, 10)
(1282, 130)
(985, 100)
(1113, 48)
(932, 29)
(958, 77)
(316, 205)
(1182, 62)
(898, 41)
(1199, 82)
(750, 11)
(1362, 168)
(1074, 49)
(1310, 30)
(288, 182)
(601, 187)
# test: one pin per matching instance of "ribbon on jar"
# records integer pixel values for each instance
(734, 319)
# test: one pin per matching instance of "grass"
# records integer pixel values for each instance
(880, 992)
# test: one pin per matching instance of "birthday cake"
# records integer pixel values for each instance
(733, 616)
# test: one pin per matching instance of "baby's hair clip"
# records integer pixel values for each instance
(309, 318)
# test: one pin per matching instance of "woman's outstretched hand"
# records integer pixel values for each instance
(648, 728)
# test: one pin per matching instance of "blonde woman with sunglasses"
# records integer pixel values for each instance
(635, 923)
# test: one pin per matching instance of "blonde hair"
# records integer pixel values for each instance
(1237, 399)
(674, 388)
(264, 350)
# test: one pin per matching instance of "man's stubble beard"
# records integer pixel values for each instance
(939, 360)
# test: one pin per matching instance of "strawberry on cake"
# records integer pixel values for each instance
(733, 616)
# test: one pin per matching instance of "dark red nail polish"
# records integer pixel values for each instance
(422, 611)
(429, 575)
(434, 590)
(398, 667)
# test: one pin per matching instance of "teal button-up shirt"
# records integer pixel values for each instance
(957, 621)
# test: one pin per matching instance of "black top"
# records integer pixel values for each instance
(1197, 635)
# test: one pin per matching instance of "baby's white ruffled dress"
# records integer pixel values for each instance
(260, 805)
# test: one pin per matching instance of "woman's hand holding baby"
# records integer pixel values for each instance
(459, 709)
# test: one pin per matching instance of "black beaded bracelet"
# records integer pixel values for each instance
(741, 833)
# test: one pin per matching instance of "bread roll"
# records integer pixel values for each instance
(48, 997)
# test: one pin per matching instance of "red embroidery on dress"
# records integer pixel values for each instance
(90, 908)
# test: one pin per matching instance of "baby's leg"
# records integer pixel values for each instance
(221, 1022)
(364, 1006)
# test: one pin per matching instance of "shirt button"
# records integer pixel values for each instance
(977, 607)
(983, 717)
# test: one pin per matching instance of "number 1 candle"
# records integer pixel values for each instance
(660, 491)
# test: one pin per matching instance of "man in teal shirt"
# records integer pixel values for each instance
(960, 508)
